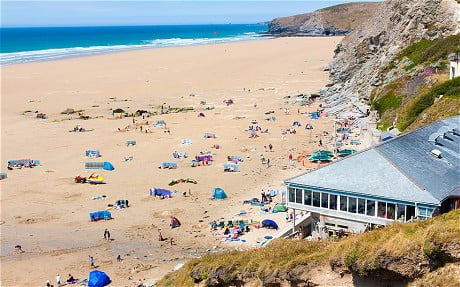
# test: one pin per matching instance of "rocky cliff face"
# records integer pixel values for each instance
(362, 56)
(335, 20)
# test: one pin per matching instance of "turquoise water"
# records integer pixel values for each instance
(19, 45)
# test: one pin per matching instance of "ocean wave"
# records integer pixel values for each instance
(53, 54)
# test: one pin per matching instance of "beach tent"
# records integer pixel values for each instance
(130, 143)
(274, 192)
(218, 193)
(99, 215)
(209, 135)
(280, 207)
(207, 157)
(346, 152)
(186, 142)
(271, 119)
(235, 158)
(160, 192)
(268, 223)
(3, 175)
(20, 163)
(174, 222)
(314, 116)
(92, 153)
(99, 165)
(98, 278)
(231, 168)
(296, 123)
(160, 123)
(170, 165)
(344, 130)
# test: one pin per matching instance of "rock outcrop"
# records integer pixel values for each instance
(335, 20)
(363, 55)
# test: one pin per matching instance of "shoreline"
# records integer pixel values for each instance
(45, 212)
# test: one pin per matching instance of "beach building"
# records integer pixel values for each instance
(454, 66)
(411, 177)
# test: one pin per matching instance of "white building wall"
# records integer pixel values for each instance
(454, 69)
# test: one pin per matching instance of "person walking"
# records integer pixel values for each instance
(268, 162)
(91, 261)
(58, 280)
(270, 146)
(290, 159)
(106, 234)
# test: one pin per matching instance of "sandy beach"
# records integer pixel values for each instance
(44, 211)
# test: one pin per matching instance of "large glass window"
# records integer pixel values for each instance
(352, 204)
(324, 200)
(298, 196)
(333, 201)
(316, 200)
(291, 195)
(410, 212)
(361, 206)
(425, 213)
(370, 207)
(381, 209)
(400, 212)
(307, 197)
(343, 203)
(391, 209)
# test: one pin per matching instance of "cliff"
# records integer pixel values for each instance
(363, 57)
(335, 20)
(426, 253)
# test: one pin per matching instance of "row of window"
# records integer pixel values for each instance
(357, 205)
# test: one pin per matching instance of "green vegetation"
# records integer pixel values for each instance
(423, 240)
(415, 106)
(428, 51)
(444, 108)
(447, 276)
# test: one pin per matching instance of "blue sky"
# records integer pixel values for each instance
(94, 13)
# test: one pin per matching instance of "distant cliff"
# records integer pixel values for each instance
(362, 60)
(335, 20)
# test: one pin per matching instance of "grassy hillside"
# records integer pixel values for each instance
(423, 77)
(427, 243)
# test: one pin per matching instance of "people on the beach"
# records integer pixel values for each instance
(270, 146)
(91, 261)
(58, 280)
(107, 234)
(48, 284)
(70, 279)
(18, 249)
(160, 236)
(119, 258)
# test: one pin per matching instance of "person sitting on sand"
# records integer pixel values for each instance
(18, 249)
(70, 279)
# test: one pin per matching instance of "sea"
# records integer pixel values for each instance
(22, 45)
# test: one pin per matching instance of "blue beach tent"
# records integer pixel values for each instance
(98, 278)
(219, 193)
(99, 215)
(268, 223)
(99, 165)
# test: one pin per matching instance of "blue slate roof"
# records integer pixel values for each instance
(400, 169)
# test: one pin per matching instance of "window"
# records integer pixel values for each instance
(316, 200)
(361, 206)
(381, 209)
(343, 203)
(410, 212)
(307, 197)
(370, 204)
(333, 201)
(425, 213)
(324, 200)
(291, 195)
(401, 212)
(352, 204)
(391, 209)
(298, 196)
